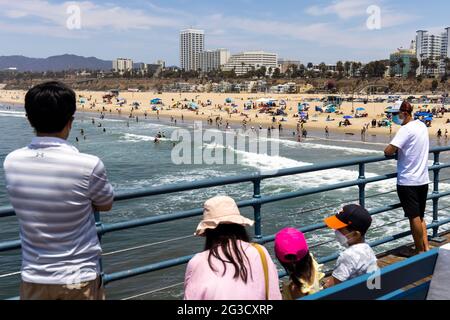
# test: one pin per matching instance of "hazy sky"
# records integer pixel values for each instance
(326, 30)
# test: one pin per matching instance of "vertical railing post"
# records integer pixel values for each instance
(362, 185)
(436, 172)
(257, 208)
(98, 225)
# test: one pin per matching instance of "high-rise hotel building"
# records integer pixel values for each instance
(433, 48)
(192, 43)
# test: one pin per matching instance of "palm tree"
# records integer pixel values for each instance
(414, 66)
(426, 64)
(347, 66)
(340, 68)
(401, 65)
(393, 64)
(323, 68)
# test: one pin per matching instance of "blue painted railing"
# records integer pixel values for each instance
(257, 202)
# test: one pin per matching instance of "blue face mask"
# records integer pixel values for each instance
(397, 120)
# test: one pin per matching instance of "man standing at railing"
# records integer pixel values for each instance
(55, 190)
(412, 144)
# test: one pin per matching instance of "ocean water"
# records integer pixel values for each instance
(133, 161)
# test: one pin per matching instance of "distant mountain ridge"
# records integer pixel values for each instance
(54, 63)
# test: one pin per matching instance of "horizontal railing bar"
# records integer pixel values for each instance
(15, 244)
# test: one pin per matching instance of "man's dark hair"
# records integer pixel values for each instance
(50, 106)
(406, 107)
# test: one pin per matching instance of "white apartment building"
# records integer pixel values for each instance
(192, 42)
(434, 48)
(122, 65)
(244, 62)
(213, 59)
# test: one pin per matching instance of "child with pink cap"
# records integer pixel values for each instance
(304, 272)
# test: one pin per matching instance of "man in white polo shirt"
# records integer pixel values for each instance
(55, 190)
(412, 144)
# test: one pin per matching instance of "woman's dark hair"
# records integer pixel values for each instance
(225, 238)
(302, 269)
(50, 106)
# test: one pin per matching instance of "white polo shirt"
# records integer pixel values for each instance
(52, 187)
(413, 143)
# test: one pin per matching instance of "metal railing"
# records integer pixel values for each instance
(257, 201)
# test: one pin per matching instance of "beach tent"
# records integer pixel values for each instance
(267, 102)
(228, 100)
(193, 106)
(331, 108)
(423, 114)
(302, 106)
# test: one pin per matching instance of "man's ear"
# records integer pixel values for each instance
(69, 124)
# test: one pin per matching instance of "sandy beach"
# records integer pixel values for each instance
(173, 108)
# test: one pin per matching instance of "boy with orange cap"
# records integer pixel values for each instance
(351, 226)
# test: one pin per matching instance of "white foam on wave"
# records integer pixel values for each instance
(130, 137)
(346, 141)
(308, 145)
(15, 114)
(268, 164)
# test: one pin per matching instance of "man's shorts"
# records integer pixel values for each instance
(92, 290)
(413, 200)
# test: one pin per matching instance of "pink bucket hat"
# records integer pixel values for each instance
(290, 242)
(221, 210)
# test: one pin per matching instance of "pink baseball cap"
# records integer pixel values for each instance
(290, 242)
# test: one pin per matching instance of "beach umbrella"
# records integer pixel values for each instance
(228, 100)
(429, 119)
(360, 109)
(348, 117)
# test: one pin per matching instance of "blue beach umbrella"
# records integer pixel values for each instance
(360, 109)
(348, 117)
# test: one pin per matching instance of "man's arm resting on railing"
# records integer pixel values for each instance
(103, 208)
(390, 150)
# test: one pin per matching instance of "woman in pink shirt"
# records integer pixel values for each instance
(230, 268)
